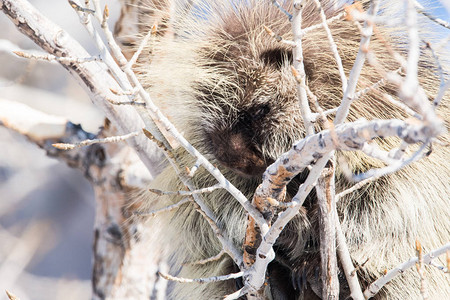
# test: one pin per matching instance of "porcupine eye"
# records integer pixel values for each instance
(276, 57)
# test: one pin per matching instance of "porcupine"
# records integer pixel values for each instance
(227, 85)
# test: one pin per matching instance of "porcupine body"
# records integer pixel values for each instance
(228, 86)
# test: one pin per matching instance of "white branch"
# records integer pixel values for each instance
(395, 166)
(32, 123)
(237, 294)
(347, 265)
(320, 25)
(422, 10)
(164, 209)
(298, 67)
(202, 280)
(49, 57)
(343, 110)
(318, 147)
(207, 260)
(209, 189)
(376, 286)
(278, 37)
(333, 46)
(277, 5)
(110, 139)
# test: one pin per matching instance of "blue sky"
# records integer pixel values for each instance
(437, 9)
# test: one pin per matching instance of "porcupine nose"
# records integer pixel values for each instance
(236, 152)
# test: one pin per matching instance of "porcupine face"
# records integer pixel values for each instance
(250, 114)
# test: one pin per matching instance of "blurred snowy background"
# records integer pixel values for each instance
(46, 208)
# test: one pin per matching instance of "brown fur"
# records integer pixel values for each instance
(228, 86)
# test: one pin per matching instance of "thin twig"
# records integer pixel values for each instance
(402, 106)
(49, 57)
(134, 58)
(355, 187)
(209, 189)
(397, 165)
(194, 169)
(421, 271)
(11, 296)
(278, 37)
(439, 267)
(111, 139)
(333, 46)
(298, 68)
(328, 22)
(376, 286)
(207, 260)
(441, 94)
(372, 150)
(438, 21)
(237, 294)
(202, 280)
(164, 209)
(80, 9)
(343, 110)
(114, 102)
(438, 63)
(132, 92)
(277, 5)
(347, 264)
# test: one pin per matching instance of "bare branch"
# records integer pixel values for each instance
(376, 286)
(298, 67)
(164, 209)
(347, 265)
(111, 139)
(202, 280)
(278, 37)
(328, 22)
(11, 296)
(393, 167)
(343, 110)
(402, 106)
(97, 80)
(34, 124)
(441, 94)
(79, 8)
(239, 293)
(439, 267)
(50, 57)
(144, 42)
(304, 153)
(421, 271)
(194, 169)
(333, 46)
(208, 260)
(187, 193)
(277, 5)
(438, 21)
(327, 230)
(372, 150)
(355, 187)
